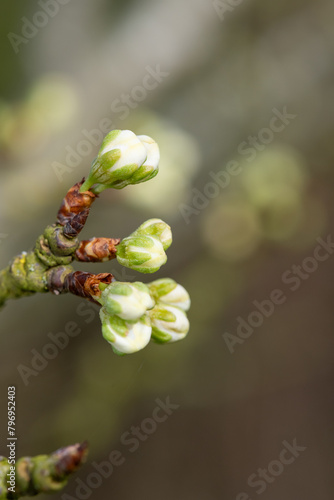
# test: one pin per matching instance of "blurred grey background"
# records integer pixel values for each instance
(220, 72)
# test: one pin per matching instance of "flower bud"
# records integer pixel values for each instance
(167, 291)
(123, 159)
(128, 301)
(141, 253)
(169, 323)
(159, 229)
(150, 167)
(125, 337)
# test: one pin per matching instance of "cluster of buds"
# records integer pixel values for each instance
(133, 313)
(124, 158)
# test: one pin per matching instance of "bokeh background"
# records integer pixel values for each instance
(225, 70)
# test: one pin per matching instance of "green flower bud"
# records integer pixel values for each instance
(128, 301)
(141, 253)
(159, 229)
(169, 323)
(167, 291)
(125, 337)
(123, 159)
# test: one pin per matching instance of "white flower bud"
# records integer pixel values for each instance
(169, 292)
(125, 337)
(123, 159)
(150, 167)
(159, 229)
(169, 323)
(141, 253)
(128, 301)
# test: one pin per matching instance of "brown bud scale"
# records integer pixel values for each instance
(74, 210)
(86, 284)
(97, 250)
(68, 459)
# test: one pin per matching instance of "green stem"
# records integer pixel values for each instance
(86, 185)
(99, 188)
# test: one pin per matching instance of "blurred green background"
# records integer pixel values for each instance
(226, 73)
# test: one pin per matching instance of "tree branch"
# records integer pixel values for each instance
(48, 266)
(40, 474)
